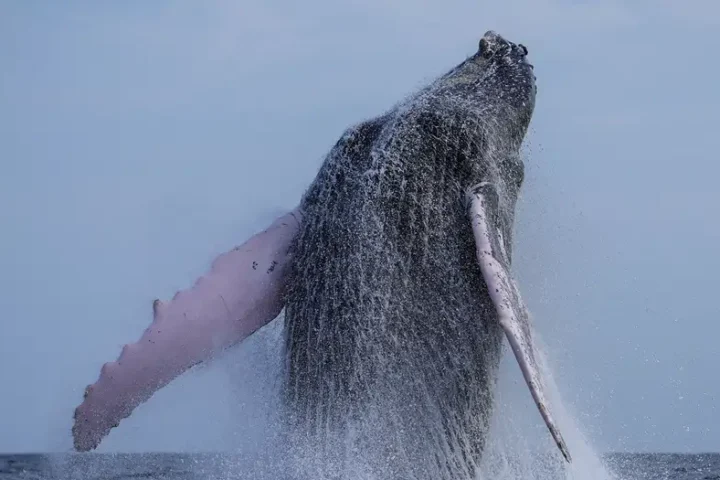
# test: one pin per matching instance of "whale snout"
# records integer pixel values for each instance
(493, 43)
(507, 73)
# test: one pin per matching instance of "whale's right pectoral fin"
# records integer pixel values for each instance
(505, 295)
(242, 292)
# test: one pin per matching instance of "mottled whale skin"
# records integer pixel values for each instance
(386, 306)
(394, 273)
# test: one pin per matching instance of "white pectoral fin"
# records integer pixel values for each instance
(242, 291)
(505, 295)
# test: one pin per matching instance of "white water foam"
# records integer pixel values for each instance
(519, 444)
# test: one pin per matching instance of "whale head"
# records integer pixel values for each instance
(506, 74)
(499, 79)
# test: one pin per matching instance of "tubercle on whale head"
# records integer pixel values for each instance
(492, 44)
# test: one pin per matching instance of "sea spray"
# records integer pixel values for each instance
(518, 444)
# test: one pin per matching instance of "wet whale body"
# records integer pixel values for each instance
(386, 308)
(394, 273)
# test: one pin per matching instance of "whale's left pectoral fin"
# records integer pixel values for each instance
(242, 292)
(505, 295)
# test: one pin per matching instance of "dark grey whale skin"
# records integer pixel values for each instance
(391, 338)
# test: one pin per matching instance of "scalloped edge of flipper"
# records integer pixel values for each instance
(512, 315)
(241, 292)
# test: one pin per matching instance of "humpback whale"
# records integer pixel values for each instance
(394, 274)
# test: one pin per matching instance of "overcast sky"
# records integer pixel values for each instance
(140, 139)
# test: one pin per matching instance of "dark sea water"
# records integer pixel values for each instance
(211, 466)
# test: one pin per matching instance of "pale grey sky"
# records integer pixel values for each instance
(139, 139)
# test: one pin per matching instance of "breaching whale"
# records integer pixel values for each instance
(394, 275)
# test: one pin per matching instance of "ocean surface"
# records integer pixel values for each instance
(168, 466)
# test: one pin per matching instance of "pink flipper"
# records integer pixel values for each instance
(241, 293)
(505, 295)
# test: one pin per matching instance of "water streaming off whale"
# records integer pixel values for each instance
(517, 446)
